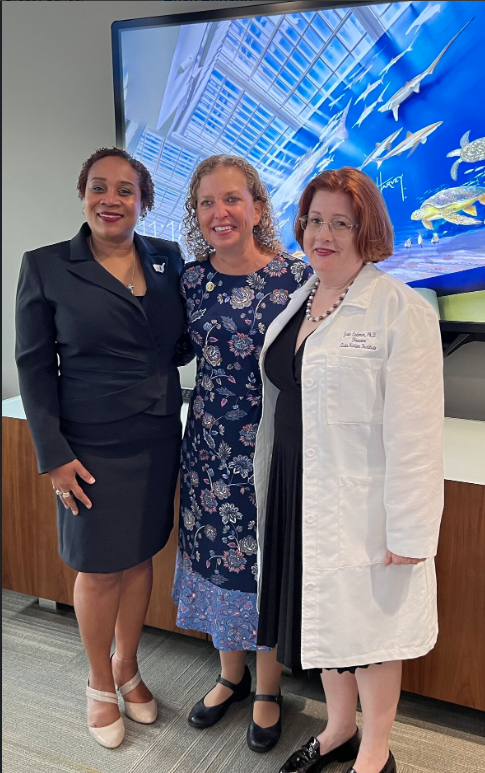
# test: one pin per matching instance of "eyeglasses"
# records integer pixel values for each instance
(339, 225)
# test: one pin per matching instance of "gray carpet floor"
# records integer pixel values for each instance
(44, 677)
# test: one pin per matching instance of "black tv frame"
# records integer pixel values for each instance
(453, 334)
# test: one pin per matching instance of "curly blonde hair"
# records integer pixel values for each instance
(265, 232)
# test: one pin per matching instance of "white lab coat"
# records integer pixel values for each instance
(372, 398)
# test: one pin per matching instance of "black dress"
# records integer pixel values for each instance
(280, 606)
(135, 462)
(281, 586)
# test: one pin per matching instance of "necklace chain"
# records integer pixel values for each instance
(308, 313)
(131, 286)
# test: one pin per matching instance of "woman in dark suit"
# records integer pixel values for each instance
(100, 332)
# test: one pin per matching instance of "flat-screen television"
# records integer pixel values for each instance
(395, 89)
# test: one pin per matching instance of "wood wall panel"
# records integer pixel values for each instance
(31, 563)
(455, 669)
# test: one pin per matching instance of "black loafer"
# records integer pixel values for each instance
(203, 716)
(307, 759)
(389, 767)
(263, 739)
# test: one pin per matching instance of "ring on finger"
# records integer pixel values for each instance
(66, 494)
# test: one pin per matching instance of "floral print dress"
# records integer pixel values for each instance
(216, 572)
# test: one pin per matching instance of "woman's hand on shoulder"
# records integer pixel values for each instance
(64, 480)
(392, 558)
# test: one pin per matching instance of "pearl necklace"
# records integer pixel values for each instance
(308, 313)
(131, 287)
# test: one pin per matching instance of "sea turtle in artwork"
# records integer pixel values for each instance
(468, 151)
(446, 204)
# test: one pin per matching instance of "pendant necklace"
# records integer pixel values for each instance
(308, 312)
(210, 284)
(131, 286)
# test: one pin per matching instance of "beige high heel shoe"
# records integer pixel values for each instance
(112, 735)
(145, 713)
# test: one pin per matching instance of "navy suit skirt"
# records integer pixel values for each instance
(136, 463)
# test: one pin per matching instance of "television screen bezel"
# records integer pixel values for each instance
(474, 330)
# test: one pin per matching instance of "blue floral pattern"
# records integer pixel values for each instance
(215, 581)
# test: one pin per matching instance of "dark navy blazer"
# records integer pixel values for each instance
(87, 350)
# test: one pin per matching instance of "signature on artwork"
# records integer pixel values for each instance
(392, 182)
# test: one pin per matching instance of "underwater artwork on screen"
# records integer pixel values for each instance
(394, 89)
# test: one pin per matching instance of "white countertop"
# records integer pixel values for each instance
(464, 443)
(13, 408)
(464, 451)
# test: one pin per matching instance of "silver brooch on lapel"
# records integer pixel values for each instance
(159, 267)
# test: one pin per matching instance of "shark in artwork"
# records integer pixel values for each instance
(335, 101)
(396, 59)
(414, 84)
(380, 148)
(368, 110)
(431, 10)
(334, 134)
(411, 142)
(359, 77)
(369, 89)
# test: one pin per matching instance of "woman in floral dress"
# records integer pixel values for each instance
(240, 282)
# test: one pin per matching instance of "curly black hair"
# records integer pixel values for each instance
(146, 183)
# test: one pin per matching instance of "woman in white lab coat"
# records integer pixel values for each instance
(348, 473)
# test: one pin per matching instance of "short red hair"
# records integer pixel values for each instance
(375, 237)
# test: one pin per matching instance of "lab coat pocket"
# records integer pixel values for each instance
(361, 520)
(354, 394)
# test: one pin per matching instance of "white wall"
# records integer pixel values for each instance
(465, 382)
(58, 108)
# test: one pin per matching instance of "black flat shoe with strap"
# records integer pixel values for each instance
(202, 716)
(389, 767)
(263, 739)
